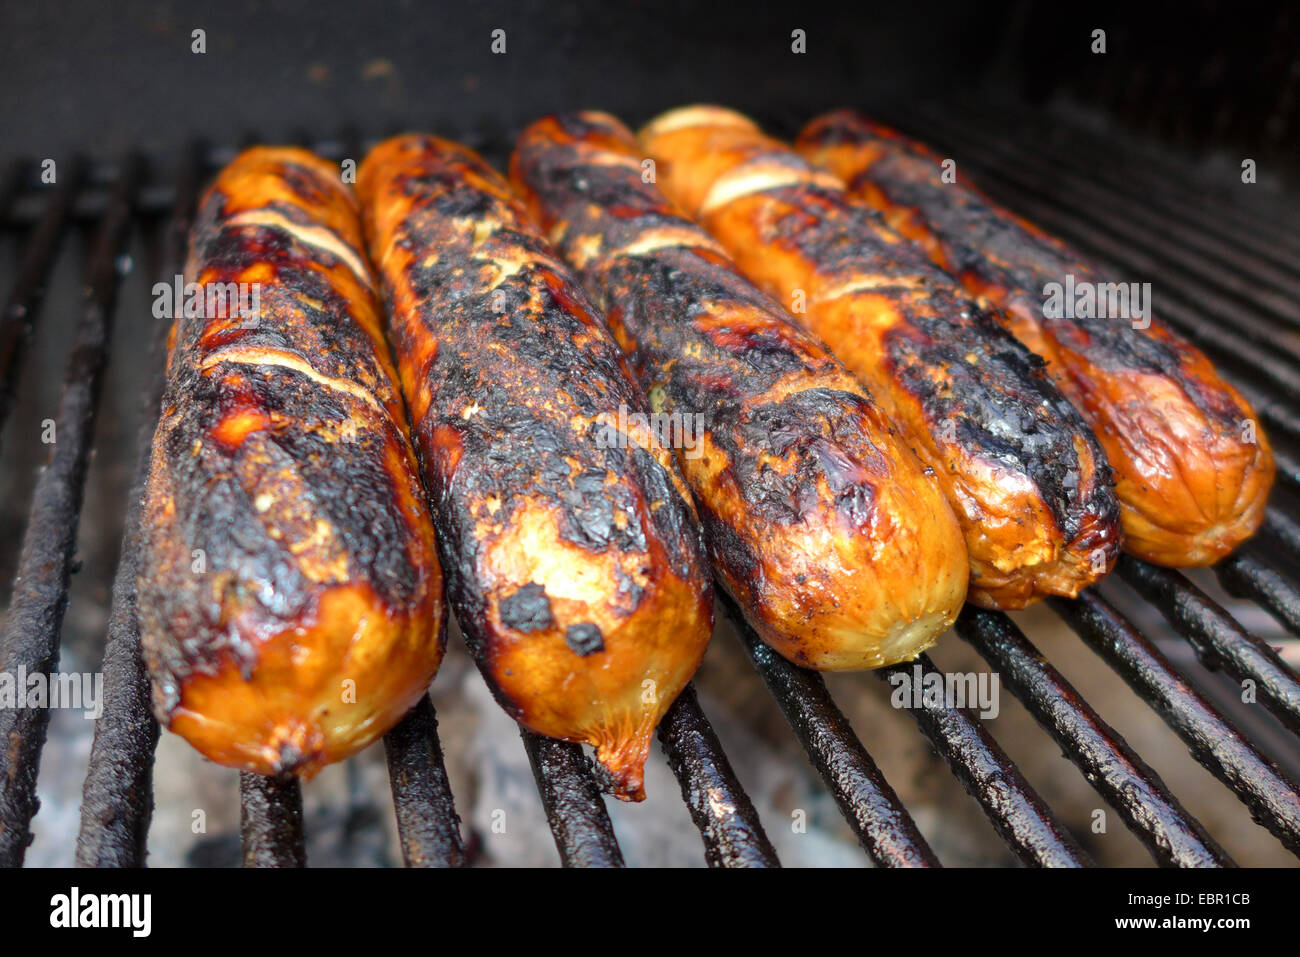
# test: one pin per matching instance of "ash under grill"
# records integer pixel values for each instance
(1226, 270)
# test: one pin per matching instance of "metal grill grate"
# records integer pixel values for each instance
(1232, 272)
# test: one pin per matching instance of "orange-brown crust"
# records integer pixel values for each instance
(1193, 467)
(573, 553)
(290, 594)
(1023, 473)
(819, 520)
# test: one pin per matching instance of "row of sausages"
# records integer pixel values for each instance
(888, 425)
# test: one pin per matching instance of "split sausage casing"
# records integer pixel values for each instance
(289, 592)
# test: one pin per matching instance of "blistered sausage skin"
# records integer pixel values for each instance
(1023, 473)
(574, 557)
(818, 519)
(1193, 467)
(290, 595)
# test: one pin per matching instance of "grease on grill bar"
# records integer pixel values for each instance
(1200, 273)
(1273, 799)
(723, 812)
(1284, 531)
(1219, 641)
(989, 776)
(1144, 803)
(1247, 576)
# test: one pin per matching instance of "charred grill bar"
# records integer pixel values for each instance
(32, 627)
(118, 792)
(1018, 814)
(583, 833)
(1110, 765)
(1219, 641)
(1195, 250)
(426, 813)
(270, 821)
(1274, 800)
(733, 835)
(25, 296)
(868, 803)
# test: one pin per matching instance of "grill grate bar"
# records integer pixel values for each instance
(23, 305)
(1219, 641)
(1288, 468)
(270, 821)
(1123, 779)
(583, 833)
(1273, 799)
(733, 835)
(32, 628)
(1153, 242)
(1281, 418)
(117, 796)
(1244, 216)
(1042, 203)
(872, 809)
(1246, 575)
(1145, 171)
(1284, 530)
(1249, 358)
(1018, 814)
(427, 823)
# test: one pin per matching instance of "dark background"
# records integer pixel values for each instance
(103, 77)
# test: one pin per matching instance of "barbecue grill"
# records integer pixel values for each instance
(1225, 263)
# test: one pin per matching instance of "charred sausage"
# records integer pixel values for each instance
(290, 595)
(574, 557)
(819, 520)
(1193, 467)
(1022, 471)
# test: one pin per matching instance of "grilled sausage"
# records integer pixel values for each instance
(818, 519)
(1023, 473)
(574, 557)
(290, 595)
(1193, 467)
